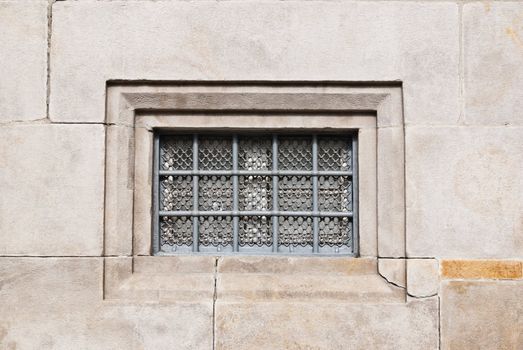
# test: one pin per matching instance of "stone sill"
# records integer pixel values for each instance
(197, 279)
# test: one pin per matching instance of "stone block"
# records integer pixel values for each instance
(296, 265)
(169, 279)
(493, 42)
(368, 192)
(481, 269)
(298, 325)
(411, 42)
(391, 193)
(422, 277)
(23, 60)
(52, 189)
(33, 286)
(56, 303)
(464, 192)
(393, 270)
(306, 279)
(150, 326)
(481, 315)
(119, 188)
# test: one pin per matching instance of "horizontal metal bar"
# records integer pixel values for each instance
(342, 253)
(255, 172)
(256, 213)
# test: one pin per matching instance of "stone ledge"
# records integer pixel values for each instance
(197, 279)
(162, 280)
(296, 265)
(260, 279)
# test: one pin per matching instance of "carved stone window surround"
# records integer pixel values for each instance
(134, 110)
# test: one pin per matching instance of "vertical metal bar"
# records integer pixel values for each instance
(235, 189)
(355, 222)
(275, 218)
(315, 218)
(195, 230)
(156, 195)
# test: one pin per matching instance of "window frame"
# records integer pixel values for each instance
(274, 214)
(135, 109)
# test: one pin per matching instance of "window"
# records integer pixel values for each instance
(255, 193)
(138, 115)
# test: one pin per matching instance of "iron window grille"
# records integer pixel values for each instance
(250, 193)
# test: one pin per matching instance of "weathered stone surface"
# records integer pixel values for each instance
(422, 277)
(38, 284)
(169, 279)
(56, 303)
(52, 189)
(391, 192)
(408, 41)
(143, 190)
(287, 325)
(481, 269)
(23, 60)
(481, 315)
(464, 192)
(150, 326)
(119, 194)
(307, 288)
(367, 164)
(393, 270)
(306, 279)
(174, 264)
(493, 43)
(296, 265)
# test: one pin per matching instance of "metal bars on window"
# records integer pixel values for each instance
(251, 193)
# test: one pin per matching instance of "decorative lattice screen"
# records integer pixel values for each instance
(255, 193)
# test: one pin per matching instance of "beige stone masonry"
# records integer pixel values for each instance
(52, 189)
(160, 279)
(393, 271)
(481, 315)
(307, 279)
(413, 42)
(493, 46)
(56, 303)
(23, 60)
(422, 277)
(464, 192)
(306, 325)
(434, 88)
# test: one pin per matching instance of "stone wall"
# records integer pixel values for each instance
(459, 284)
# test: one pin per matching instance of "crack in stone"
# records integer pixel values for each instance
(422, 296)
(215, 296)
(43, 120)
(390, 282)
(48, 66)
